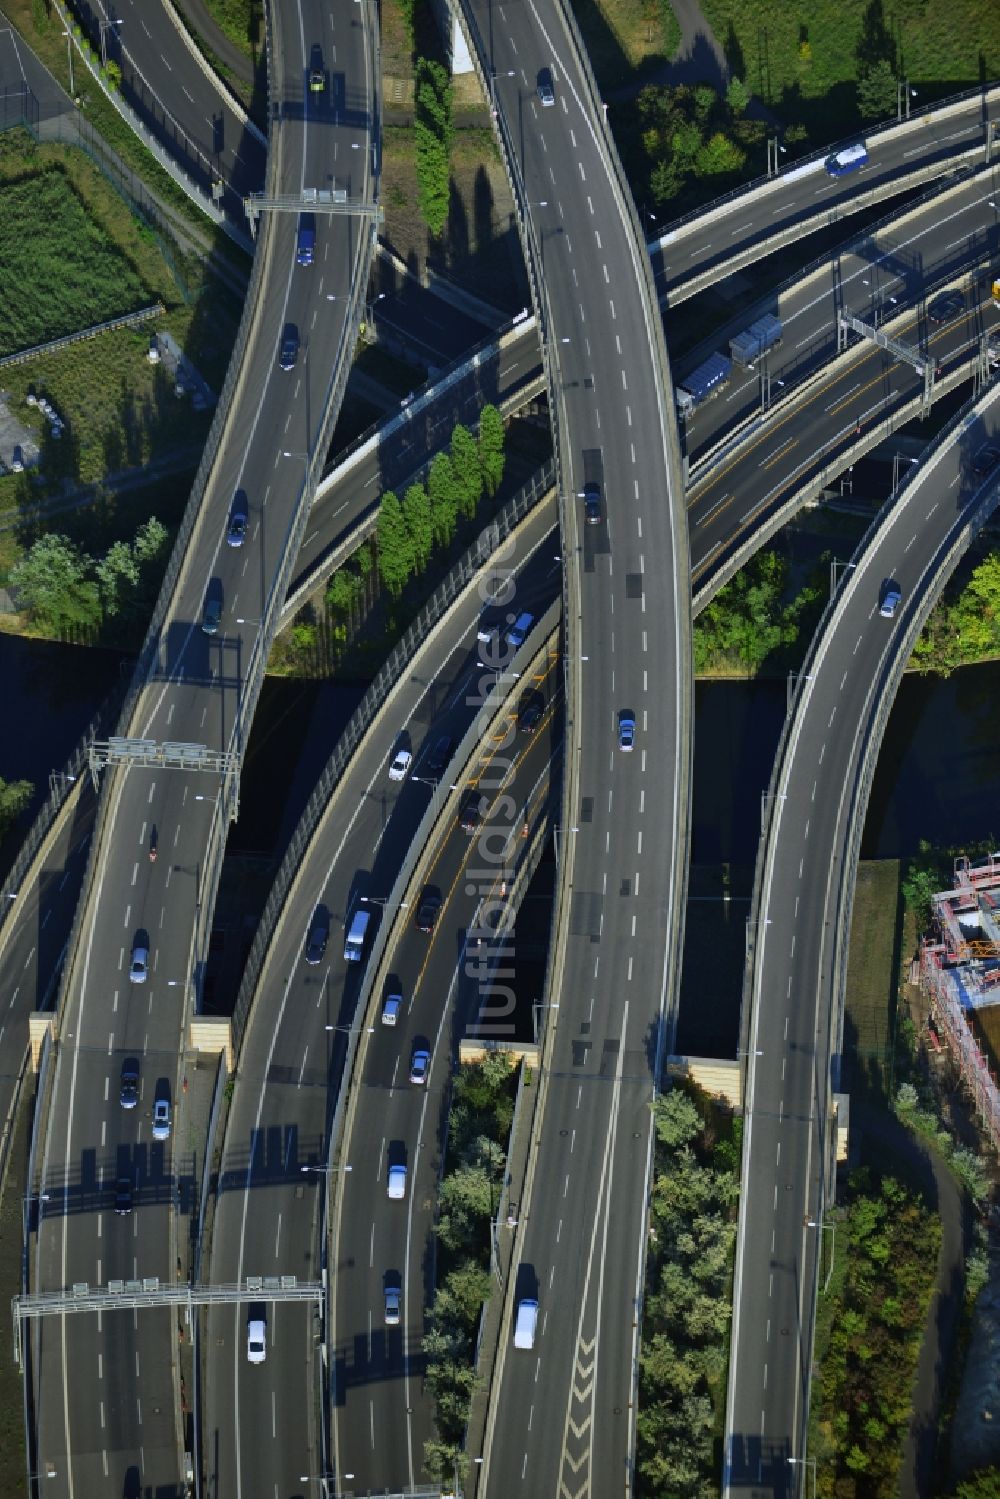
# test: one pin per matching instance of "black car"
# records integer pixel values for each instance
(128, 1095)
(530, 712)
(440, 755)
(289, 351)
(945, 306)
(319, 932)
(592, 504)
(985, 461)
(471, 812)
(427, 911)
(123, 1196)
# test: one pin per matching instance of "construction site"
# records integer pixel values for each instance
(960, 972)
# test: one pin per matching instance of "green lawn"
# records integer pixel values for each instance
(59, 271)
(872, 971)
(792, 54)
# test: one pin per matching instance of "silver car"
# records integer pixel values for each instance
(161, 1119)
(139, 968)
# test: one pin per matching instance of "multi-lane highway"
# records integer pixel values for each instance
(177, 97)
(802, 918)
(628, 652)
(96, 1431)
(270, 1209)
(106, 1392)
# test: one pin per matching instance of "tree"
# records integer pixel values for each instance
(982, 1485)
(432, 129)
(677, 1120)
(53, 583)
(118, 577)
(14, 797)
(491, 448)
(877, 87)
(737, 96)
(395, 554)
(417, 515)
(466, 469)
(441, 489)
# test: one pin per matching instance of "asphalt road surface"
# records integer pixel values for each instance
(796, 984)
(106, 1396)
(269, 1213)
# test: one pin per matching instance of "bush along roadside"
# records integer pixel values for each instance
(686, 1317)
(869, 1335)
(479, 1124)
(387, 580)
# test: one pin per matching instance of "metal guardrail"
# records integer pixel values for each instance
(869, 734)
(722, 566)
(874, 132)
(398, 661)
(130, 320)
(799, 279)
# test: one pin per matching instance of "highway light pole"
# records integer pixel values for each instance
(904, 93)
(57, 776)
(805, 1462)
(69, 56)
(830, 1228)
(105, 28)
(537, 1005)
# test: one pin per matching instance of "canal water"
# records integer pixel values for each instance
(938, 779)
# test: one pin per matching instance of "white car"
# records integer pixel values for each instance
(391, 1006)
(400, 767)
(161, 1119)
(396, 1185)
(256, 1341)
(392, 1306)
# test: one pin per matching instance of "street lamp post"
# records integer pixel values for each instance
(326, 1170)
(69, 56)
(805, 1462)
(105, 28)
(830, 1228)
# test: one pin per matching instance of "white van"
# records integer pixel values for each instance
(525, 1324)
(354, 943)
